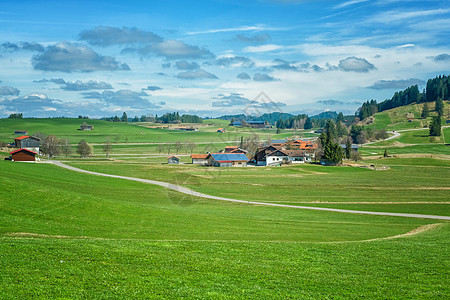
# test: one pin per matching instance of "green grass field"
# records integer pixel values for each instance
(310, 184)
(70, 235)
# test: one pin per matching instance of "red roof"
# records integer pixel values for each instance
(173, 156)
(22, 137)
(201, 156)
(22, 149)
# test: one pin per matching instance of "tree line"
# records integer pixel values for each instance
(166, 118)
(437, 89)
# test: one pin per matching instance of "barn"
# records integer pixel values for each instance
(173, 160)
(199, 159)
(27, 142)
(23, 155)
(227, 160)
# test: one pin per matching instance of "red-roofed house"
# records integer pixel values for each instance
(23, 155)
(173, 160)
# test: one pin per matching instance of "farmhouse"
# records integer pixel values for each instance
(199, 159)
(23, 155)
(27, 142)
(227, 160)
(285, 156)
(173, 160)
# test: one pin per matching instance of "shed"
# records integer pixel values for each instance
(173, 160)
(23, 155)
(199, 159)
(221, 130)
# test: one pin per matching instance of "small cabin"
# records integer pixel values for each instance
(23, 155)
(84, 127)
(221, 130)
(173, 160)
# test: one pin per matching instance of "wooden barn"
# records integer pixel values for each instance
(199, 159)
(227, 160)
(173, 160)
(23, 155)
(27, 142)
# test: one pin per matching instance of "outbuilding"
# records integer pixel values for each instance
(173, 160)
(23, 155)
(199, 159)
(227, 160)
(28, 142)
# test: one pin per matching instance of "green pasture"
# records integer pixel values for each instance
(305, 184)
(71, 235)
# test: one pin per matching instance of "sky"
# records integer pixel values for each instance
(211, 58)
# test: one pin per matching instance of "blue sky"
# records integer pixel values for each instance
(100, 58)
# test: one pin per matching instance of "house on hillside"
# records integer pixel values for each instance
(221, 130)
(28, 142)
(173, 160)
(199, 159)
(227, 160)
(23, 155)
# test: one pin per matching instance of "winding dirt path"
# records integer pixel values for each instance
(190, 192)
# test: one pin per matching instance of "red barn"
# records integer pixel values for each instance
(23, 155)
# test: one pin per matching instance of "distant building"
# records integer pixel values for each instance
(173, 160)
(84, 127)
(199, 159)
(354, 147)
(227, 160)
(221, 130)
(253, 124)
(21, 132)
(23, 155)
(27, 142)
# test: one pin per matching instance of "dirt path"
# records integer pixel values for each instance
(197, 194)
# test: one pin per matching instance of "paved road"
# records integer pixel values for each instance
(197, 194)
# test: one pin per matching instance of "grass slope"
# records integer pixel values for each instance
(141, 241)
(309, 184)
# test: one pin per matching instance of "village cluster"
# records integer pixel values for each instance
(273, 153)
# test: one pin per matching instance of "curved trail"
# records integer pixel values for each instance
(187, 191)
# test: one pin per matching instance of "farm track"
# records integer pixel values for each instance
(190, 192)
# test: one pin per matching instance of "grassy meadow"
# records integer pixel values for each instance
(70, 235)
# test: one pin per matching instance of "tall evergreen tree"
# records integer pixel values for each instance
(308, 123)
(124, 117)
(440, 107)
(435, 126)
(425, 111)
(348, 147)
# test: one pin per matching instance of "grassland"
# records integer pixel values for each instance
(71, 235)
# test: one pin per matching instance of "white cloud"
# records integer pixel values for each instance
(263, 48)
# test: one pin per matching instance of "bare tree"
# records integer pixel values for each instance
(65, 147)
(168, 146)
(160, 148)
(107, 147)
(178, 146)
(50, 146)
